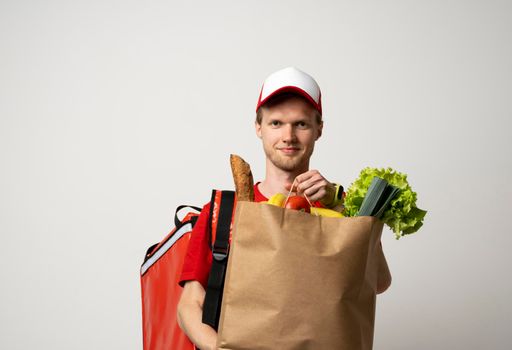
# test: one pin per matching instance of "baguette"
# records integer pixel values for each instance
(242, 175)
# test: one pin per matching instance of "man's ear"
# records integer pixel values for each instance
(257, 127)
(320, 127)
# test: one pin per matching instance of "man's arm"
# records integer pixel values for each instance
(190, 313)
(384, 277)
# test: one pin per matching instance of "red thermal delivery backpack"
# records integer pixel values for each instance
(160, 274)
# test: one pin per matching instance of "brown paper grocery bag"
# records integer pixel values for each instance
(298, 281)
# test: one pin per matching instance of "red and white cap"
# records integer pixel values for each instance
(294, 80)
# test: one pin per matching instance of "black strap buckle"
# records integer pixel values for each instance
(220, 254)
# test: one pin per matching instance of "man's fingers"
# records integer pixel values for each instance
(306, 176)
(311, 183)
(315, 192)
(315, 180)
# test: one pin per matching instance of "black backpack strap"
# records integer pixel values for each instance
(177, 221)
(220, 250)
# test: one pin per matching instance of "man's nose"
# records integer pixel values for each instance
(288, 133)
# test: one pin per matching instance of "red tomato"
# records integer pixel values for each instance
(298, 203)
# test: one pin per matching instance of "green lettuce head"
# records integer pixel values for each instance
(402, 215)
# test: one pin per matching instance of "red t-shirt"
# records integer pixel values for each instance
(198, 261)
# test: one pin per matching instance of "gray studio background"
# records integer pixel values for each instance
(112, 113)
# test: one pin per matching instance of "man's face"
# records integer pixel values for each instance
(288, 131)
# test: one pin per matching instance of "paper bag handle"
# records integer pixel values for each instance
(290, 192)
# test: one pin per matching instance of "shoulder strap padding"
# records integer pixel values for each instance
(221, 215)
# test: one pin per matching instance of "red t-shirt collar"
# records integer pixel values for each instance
(258, 196)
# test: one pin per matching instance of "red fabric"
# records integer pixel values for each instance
(198, 261)
(160, 294)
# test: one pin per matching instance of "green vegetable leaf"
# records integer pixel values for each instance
(402, 215)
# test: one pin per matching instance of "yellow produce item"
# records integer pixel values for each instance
(326, 212)
(278, 200)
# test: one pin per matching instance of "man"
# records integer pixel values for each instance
(288, 122)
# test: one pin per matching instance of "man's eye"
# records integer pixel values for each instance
(302, 124)
(275, 123)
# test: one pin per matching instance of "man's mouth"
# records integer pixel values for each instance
(289, 150)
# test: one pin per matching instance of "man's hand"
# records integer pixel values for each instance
(314, 186)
